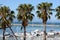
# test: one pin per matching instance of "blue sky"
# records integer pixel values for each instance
(13, 4)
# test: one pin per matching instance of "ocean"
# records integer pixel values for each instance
(17, 29)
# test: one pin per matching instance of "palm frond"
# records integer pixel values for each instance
(58, 12)
(44, 9)
(26, 12)
(19, 17)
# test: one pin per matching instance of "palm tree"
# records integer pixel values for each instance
(44, 12)
(6, 17)
(25, 15)
(58, 12)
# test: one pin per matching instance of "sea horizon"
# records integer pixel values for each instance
(54, 23)
(17, 29)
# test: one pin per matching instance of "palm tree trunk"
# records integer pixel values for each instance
(3, 34)
(13, 33)
(24, 33)
(44, 32)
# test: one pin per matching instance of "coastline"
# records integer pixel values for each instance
(35, 25)
(32, 37)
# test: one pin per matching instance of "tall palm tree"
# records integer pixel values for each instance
(24, 14)
(58, 12)
(44, 12)
(6, 17)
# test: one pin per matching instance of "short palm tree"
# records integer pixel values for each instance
(58, 12)
(24, 14)
(44, 12)
(6, 17)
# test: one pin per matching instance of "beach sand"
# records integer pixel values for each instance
(30, 37)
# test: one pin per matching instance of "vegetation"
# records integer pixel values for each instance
(6, 17)
(24, 14)
(58, 12)
(44, 12)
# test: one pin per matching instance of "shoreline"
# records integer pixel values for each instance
(35, 25)
(31, 37)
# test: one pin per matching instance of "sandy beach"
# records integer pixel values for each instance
(33, 36)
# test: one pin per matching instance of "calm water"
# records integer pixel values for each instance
(30, 28)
